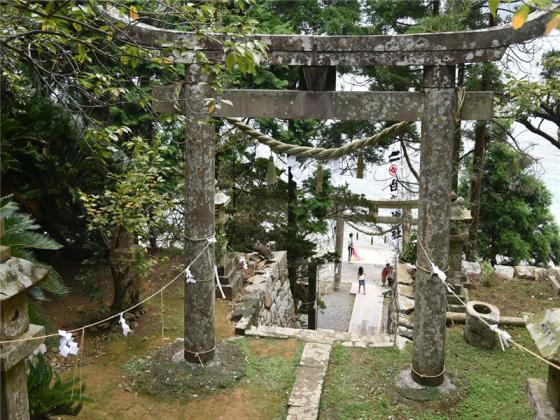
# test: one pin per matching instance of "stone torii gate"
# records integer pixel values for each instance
(435, 106)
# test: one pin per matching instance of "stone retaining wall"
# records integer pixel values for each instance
(266, 298)
(473, 271)
(401, 306)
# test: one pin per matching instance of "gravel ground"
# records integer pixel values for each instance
(336, 315)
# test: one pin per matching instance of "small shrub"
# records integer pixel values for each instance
(52, 398)
(487, 274)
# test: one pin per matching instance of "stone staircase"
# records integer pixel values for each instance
(323, 336)
(231, 279)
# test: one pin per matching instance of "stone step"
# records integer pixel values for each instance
(234, 285)
(322, 336)
(304, 400)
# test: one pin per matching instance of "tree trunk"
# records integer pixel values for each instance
(126, 281)
(476, 183)
(292, 231)
(457, 139)
(480, 134)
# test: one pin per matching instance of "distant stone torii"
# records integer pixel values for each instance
(435, 106)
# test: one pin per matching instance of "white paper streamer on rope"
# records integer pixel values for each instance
(295, 169)
(243, 263)
(336, 177)
(125, 327)
(212, 240)
(442, 276)
(218, 283)
(504, 335)
(189, 277)
(67, 345)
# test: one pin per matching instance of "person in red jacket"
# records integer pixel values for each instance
(385, 273)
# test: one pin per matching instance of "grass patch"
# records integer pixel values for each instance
(360, 383)
(513, 297)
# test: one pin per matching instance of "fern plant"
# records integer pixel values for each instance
(49, 395)
(22, 236)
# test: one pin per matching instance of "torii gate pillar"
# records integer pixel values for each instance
(428, 356)
(200, 147)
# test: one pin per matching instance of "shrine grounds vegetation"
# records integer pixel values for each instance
(360, 383)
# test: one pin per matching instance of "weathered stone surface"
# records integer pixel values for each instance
(406, 290)
(411, 49)
(12, 354)
(525, 272)
(316, 355)
(389, 106)
(504, 272)
(267, 298)
(406, 305)
(200, 149)
(17, 275)
(14, 404)
(539, 401)
(405, 321)
(402, 342)
(544, 328)
(405, 332)
(472, 270)
(307, 388)
(541, 274)
(555, 284)
(476, 332)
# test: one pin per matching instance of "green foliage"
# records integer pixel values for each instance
(22, 237)
(515, 220)
(409, 253)
(527, 98)
(49, 395)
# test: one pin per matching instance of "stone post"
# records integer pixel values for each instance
(428, 355)
(199, 218)
(544, 328)
(16, 276)
(338, 249)
(459, 234)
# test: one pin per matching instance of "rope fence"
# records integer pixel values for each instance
(117, 315)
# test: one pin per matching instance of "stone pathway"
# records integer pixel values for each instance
(367, 313)
(305, 397)
(338, 309)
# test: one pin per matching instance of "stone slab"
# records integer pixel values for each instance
(316, 355)
(406, 290)
(539, 401)
(525, 272)
(504, 272)
(339, 105)
(406, 305)
(12, 354)
(544, 328)
(302, 413)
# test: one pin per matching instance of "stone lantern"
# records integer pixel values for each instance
(16, 277)
(460, 219)
(544, 328)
